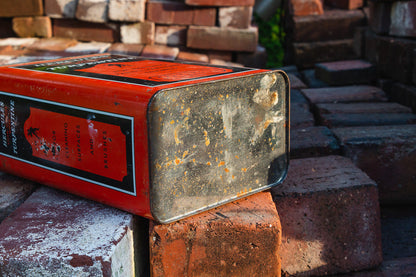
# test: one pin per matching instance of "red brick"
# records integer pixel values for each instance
(338, 24)
(392, 268)
(193, 57)
(133, 49)
(142, 33)
(312, 141)
(300, 116)
(160, 52)
(92, 10)
(85, 31)
(6, 29)
(305, 7)
(204, 16)
(236, 17)
(345, 4)
(341, 73)
(306, 54)
(52, 44)
(344, 94)
(170, 35)
(55, 234)
(21, 8)
(404, 94)
(226, 39)
(60, 8)
(238, 239)
(257, 59)
(221, 55)
(379, 19)
(39, 26)
(224, 63)
(220, 2)
(127, 10)
(14, 51)
(403, 19)
(361, 108)
(13, 192)
(367, 119)
(295, 82)
(331, 221)
(386, 154)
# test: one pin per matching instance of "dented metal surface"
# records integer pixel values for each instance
(215, 142)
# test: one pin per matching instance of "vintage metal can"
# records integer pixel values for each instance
(160, 139)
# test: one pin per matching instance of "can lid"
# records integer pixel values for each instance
(215, 142)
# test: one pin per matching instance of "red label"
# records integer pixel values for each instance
(88, 145)
(157, 71)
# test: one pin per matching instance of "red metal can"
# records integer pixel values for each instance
(160, 139)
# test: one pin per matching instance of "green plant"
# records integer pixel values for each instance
(271, 37)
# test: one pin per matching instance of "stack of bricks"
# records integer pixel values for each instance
(390, 43)
(208, 31)
(321, 31)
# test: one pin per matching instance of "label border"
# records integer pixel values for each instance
(134, 193)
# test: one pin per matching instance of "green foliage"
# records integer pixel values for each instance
(271, 37)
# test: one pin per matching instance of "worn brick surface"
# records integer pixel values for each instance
(345, 4)
(13, 191)
(194, 57)
(53, 44)
(404, 94)
(310, 79)
(366, 119)
(296, 97)
(238, 239)
(170, 35)
(21, 8)
(85, 31)
(359, 41)
(236, 17)
(312, 141)
(220, 55)
(300, 116)
(338, 24)
(305, 7)
(330, 218)
(295, 82)
(55, 234)
(227, 39)
(379, 20)
(361, 108)
(392, 268)
(127, 10)
(141, 33)
(360, 93)
(220, 2)
(82, 48)
(205, 16)
(306, 54)
(92, 10)
(414, 67)
(37, 26)
(257, 59)
(60, 8)
(341, 73)
(403, 19)
(133, 49)
(160, 52)
(387, 155)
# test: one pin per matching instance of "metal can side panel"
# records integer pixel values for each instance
(215, 142)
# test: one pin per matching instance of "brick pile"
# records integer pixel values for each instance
(214, 31)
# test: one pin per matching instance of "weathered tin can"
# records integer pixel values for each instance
(160, 139)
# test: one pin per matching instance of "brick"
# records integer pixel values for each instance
(345, 94)
(311, 81)
(392, 55)
(305, 7)
(21, 8)
(60, 8)
(39, 26)
(141, 33)
(88, 48)
(306, 54)
(13, 51)
(338, 24)
(85, 31)
(331, 218)
(224, 63)
(92, 10)
(238, 239)
(312, 141)
(257, 59)
(295, 82)
(220, 2)
(379, 19)
(359, 41)
(403, 19)
(13, 192)
(160, 52)
(345, 4)
(226, 39)
(193, 57)
(132, 49)
(221, 55)
(177, 13)
(52, 44)
(300, 116)
(341, 73)
(414, 67)
(393, 268)
(127, 10)
(170, 35)
(361, 108)
(20, 42)
(55, 234)
(236, 17)
(296, 97)
(6, 29)
(366, 119)
(404, 94)
(386, 154)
